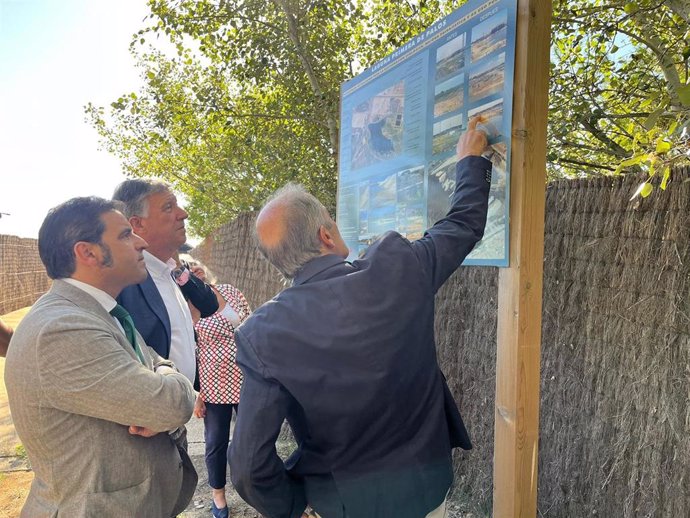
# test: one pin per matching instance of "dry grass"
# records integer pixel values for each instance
(14, 487)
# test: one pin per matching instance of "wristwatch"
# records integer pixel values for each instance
(488, 153)
(163, 366)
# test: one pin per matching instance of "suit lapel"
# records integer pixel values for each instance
(87, 303)
(153, 298)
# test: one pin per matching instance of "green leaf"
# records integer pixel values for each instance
(633, 161)
(665, 177)
(662, 146)
(644, 190)
(684, 95)
(630, 8)
(653, 117)
(628, 162)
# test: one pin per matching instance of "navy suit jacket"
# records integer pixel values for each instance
(347, 355)
(144, 303)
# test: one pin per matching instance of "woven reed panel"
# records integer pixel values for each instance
(23, 278)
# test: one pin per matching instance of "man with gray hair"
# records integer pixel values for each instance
(157, 305)
(347, 356)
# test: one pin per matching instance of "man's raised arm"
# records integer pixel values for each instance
(446, 244)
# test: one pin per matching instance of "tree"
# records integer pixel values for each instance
(619, 91)
(248, 99)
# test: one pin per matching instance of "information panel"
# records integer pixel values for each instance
(401, 120)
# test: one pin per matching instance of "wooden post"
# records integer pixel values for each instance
(516, 437)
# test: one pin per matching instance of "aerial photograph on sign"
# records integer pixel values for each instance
(377, 127)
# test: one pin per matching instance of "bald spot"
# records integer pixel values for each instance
(270, 224)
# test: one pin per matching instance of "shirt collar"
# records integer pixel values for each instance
(315, 267)
(101, 296)
(157, 267)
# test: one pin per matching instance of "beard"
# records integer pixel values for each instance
(107, 261)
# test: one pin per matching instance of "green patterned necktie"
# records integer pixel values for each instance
(128, 325)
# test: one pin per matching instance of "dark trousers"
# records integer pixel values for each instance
(217, 438)
(322, 495)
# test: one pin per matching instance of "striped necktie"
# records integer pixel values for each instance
(128, 325)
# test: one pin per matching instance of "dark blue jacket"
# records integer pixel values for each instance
(347, 356)
(144, 302)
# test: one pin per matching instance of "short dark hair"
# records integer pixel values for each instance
(78, 219)
(134, 195)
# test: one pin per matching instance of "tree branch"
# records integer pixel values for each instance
(582, 163)
(590, 125)
(309, 70)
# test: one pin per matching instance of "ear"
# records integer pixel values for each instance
(137, 224)
(85, 253)
(326, 238)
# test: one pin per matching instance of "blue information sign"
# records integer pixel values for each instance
(402, 117)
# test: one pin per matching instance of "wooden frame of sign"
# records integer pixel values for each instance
(516, 438)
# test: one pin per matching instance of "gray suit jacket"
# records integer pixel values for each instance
(74, 386)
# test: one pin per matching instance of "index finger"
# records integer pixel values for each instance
(472, 124)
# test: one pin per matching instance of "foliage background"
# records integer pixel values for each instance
(242, 96)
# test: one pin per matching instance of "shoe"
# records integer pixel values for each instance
(219, 513)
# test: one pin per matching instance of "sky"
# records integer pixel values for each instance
(55, 57)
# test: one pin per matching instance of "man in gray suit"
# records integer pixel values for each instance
(92, 404)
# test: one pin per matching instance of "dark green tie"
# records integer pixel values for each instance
(128, 325)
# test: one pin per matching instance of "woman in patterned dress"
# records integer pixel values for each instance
(220, 379)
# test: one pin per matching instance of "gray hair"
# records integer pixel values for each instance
(191, 262)
(303, 216)
(134, 195)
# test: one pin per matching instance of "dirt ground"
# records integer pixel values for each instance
(13, 490)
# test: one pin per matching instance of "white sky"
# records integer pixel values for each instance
(55, 57)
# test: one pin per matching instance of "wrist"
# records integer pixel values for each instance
(164, 366)
(181, 275)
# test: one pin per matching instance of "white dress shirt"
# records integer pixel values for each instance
(182, 343)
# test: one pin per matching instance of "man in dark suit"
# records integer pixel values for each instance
(158, 305)
(347, 356)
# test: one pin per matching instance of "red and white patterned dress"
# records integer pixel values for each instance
(220, 379)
